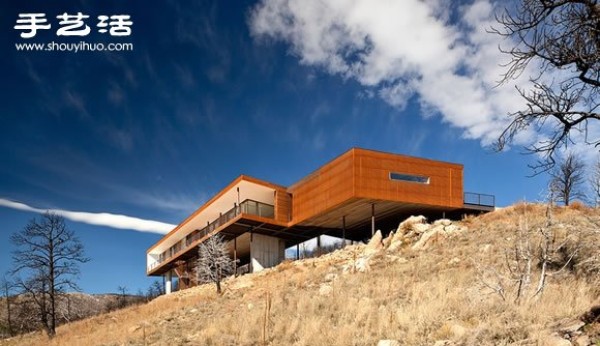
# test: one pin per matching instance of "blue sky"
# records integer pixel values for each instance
(214, 89)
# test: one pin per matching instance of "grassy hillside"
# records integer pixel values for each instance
(440, 284)
(70, 307)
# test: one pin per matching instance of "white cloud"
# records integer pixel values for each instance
(97, 219)
(402, 49)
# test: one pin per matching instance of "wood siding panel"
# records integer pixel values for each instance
(372, 177)
(365, 174)
(283, 205)
(327, 187)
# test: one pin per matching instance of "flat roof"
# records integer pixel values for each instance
(358, 149)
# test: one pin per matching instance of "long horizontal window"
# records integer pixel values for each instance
(411, 178)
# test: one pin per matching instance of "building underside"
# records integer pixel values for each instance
(349, 198)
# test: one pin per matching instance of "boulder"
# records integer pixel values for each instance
(325, 290)
(362, 265)
(394, 245)
(421, 228)
(457, 331)
(411, 221)
(582, 340)
(572, 327)
(410, 226)
(428, 238)
(555, 340)
(375, 244)
(330, 277)
(388, 343)
(443, 222)
(454, 261)
(388, 240)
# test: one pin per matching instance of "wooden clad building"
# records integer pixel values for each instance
(349, 197)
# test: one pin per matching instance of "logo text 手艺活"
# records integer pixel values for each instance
(74, 24)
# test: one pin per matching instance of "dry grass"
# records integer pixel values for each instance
(430, 296)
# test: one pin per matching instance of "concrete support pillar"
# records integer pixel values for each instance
(251, 264)
(265, 252)
(372, 219)
(168, 279)
(235, 257)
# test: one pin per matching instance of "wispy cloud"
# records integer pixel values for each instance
(97, 219)
(401, 49)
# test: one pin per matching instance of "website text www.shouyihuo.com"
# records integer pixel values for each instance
(74, 47)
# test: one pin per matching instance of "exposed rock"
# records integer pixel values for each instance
(330, 277)
(388, 240)
(406, 224)
(436, 233)
(572, 327)
(582, 340)
(485, 248)
(422, 243)
(443, 222)
(325, 290)
(457, 331)
(555, 340)
(375, 244)
(388, 343)
(420, 228)
(394, 245)
(453, 229)
(454, 261)
(362, 265)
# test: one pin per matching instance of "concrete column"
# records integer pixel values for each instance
(265, 252)
(168, 279)
(235, 257)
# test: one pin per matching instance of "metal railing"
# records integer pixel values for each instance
(479, 199)
(248, 206)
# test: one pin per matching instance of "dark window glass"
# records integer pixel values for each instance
(409, 178)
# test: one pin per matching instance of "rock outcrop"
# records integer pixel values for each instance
(414, 233)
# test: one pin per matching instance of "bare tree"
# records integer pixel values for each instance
(594, 182)
(122, 299)
(48, 254)
(213, 262)
(7, 288)
(154, 290)
(567, 179)
(536, 252)
(560, 36)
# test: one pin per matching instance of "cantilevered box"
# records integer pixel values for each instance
(349, 197)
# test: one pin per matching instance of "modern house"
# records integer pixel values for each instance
(349, 197)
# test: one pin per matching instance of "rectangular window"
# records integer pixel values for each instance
(409, 178)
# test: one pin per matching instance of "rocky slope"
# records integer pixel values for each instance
(474, 282)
